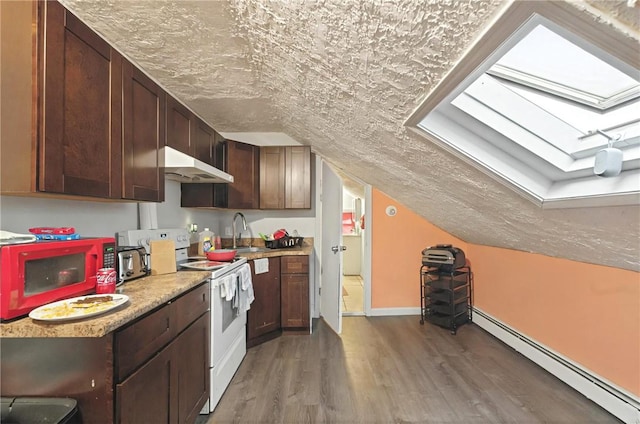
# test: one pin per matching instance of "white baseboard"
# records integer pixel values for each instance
(617, 401)
(381, 312)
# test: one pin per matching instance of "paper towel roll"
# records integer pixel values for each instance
(148, 216)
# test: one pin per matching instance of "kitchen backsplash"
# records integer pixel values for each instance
(104, 219)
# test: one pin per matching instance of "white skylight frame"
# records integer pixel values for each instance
(522, 64)
(556, 177)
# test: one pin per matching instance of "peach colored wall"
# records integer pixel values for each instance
(588, 313)
(396, 253)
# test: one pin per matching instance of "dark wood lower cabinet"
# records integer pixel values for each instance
(154, 370)
(294, 286)
(295, 302)
(190, 353)
(281, 299)
(145, 397)
(170, 387)
(263, 319)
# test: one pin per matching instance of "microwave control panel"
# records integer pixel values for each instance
(109, 255)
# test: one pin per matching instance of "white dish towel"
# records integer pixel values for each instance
(228, 286)
(246, 288)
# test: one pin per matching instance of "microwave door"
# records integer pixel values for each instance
(44, 274)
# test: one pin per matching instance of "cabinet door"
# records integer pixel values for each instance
(80, 144)
(143, 129)
(243, 161)
(298, 177)
(195, 195)
(147, 395)
(138, 342)
(204, 144)
(179, 120)
(192, 362)
(295, 301)
(272, 177)
(294, 285)
(264, 315)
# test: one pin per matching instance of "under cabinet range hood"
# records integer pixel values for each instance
(186, 169)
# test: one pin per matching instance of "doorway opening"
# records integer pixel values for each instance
(353, 199)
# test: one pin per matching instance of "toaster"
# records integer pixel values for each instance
(132, 263)
(444, 257)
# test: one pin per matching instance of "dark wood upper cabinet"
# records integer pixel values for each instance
(189, 134)
(144, 136)
(203, 146)
(285, 177)
(243, 162)
(80, 86)
(87, 123)
(179, 126)
(194, 195)
(297, 177)
(268, 177)
(272, 177)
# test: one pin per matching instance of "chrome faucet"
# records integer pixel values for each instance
(244, 227)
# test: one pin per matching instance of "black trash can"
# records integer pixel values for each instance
(36, 410)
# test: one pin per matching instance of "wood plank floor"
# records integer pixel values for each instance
(352, 295)
(393, 370)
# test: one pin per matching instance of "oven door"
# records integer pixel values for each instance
(226, 322)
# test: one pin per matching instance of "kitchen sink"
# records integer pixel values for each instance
(252, 249)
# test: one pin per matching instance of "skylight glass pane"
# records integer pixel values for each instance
(547, 61)
(583, 118)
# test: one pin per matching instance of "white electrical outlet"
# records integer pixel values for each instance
(228, 231)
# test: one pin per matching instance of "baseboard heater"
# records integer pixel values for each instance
(620, 403)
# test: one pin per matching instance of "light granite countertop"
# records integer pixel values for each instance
(270, 253)
(145, 294)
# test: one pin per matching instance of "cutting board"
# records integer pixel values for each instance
(163, 257)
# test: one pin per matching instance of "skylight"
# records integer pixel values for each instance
(534, 113)
(546, 61)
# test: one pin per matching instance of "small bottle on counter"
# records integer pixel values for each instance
(205, 241)
(218, 242)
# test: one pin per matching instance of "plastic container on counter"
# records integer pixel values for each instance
(205, 241)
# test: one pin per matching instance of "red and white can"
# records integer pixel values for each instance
(106, 281)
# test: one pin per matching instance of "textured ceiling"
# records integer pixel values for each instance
(343, 77)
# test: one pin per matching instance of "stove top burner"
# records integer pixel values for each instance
(204, 265)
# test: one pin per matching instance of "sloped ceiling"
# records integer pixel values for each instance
(343, 76)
